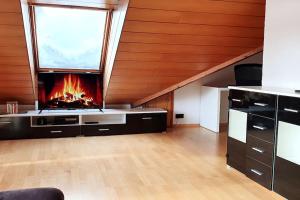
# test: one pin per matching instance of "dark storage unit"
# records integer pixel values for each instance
(14, 128)
(56, 126)
(255, 157)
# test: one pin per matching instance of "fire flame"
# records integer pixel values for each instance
(71, 91)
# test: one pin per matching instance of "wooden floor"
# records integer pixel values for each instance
(185, 163)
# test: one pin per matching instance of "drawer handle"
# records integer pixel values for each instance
(259, 127)
(146, 118)
(103, 129)
(258, 150)
(236, 100)
(261, 104)
(55, 131)
(291, 110)
(257, 172)
(70, 119)
(5, 122)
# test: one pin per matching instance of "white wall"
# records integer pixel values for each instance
(209, 107)
(187, 102)
(282, 44)
(187, 99)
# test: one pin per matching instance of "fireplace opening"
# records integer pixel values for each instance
(69, 91)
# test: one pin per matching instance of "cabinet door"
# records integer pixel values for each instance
(14, 128)
(236, 154)
(152, 123)
(236, 143)
(237, 125)
(288, 142)
(146, 123)
(287, 162)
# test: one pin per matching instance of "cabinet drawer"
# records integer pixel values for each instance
(14, 127)
(56, 131)
(260, 150)
(238, 99)
(261, 127)
(146, 123)
(262, 104)
(236, 154)
(289, 109)
(260, 173)
(96, 130)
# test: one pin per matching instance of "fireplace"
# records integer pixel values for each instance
(69, 91)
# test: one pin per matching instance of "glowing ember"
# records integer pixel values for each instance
(71, 91)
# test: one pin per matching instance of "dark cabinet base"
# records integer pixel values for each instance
(287, 179)
(20, 127)
(236, 154)
(14, 128)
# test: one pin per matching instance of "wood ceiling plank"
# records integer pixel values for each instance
(208, 6)
(145, 80)
(179, 58)
(181, 49)
(9, 31)
(12, 42)
(189, 39)
(13, 52)
(192, 29)
(13, 61)
(134, 65)
(15, 84)
(248, 1)
(10, 6)
(138, 14)
(14, 77)
(16, 91)
(157, 72)
(4, 69)
(11, 19)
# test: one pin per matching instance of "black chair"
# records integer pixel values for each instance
(33, 194)
(248, 74)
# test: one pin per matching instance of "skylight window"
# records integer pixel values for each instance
(69, 38)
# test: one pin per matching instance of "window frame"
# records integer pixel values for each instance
(35, 42)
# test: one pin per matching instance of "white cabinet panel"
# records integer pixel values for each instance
(237, 125)
(288, 142)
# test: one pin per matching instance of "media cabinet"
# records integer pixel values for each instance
(51, 124)
(264, 137)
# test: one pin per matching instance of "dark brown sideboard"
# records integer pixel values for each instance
(72, 125)
(264, 137)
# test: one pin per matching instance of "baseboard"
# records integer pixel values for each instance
(186, 125)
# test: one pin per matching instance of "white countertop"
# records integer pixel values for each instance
(87, 112)
(268, 90)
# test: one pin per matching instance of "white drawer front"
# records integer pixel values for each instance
(288, 142)
(237, 125)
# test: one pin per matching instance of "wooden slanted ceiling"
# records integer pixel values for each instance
(165, 42)
(15, 74)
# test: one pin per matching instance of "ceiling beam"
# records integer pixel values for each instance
(198, 76)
